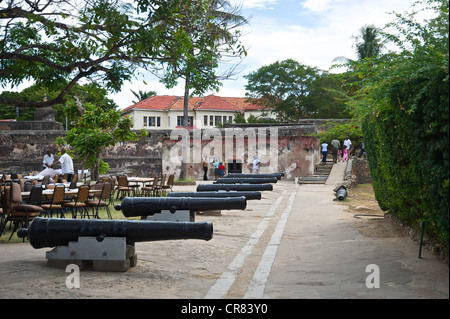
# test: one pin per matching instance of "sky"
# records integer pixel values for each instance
(312, 32)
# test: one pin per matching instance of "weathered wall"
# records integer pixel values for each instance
(295, 154)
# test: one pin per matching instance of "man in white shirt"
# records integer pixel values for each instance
(48, 159)
(66, 164)
(256, 165)
(347, 144)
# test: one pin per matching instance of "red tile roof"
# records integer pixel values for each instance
(210, 102)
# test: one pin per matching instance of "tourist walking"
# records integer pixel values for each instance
(335, 148)
(324, 152)
(205, 170)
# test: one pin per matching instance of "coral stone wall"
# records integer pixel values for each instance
(285, 149)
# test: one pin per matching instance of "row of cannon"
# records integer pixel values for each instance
(227, 193)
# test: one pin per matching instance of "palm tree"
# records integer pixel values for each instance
(142, 95)
(368, 43)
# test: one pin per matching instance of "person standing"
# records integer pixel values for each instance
(221, 169)
(66, 164)
(345, 157)
(335, 144)
(205, 170)
(347, 144)
(324, 152)
(48, 159)
(256, 165)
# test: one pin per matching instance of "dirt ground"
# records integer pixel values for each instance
(173, 268)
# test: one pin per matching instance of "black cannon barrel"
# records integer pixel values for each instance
(247, 194)
(51, 232)
(254, 175)
(252, 180)
(144, 206)
(341, 192)
(234, 187)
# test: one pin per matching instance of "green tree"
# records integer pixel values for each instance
(58, 43)
(402, 101)
(294, 91)
(142, 95)
(97, 129)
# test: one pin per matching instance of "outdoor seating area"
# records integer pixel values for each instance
(25, 197)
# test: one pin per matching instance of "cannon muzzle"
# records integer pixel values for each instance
(234, 187)
(251, 180)
(248, 195)
(145, 206)
(51, 232)
(341, 192)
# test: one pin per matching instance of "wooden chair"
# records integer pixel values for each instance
(149, 190)
(124, 188)
(20, 213)
(104, 200)
(79, 203)
(56, 203)
(169, 184)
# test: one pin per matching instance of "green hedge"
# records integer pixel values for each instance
(403, 103)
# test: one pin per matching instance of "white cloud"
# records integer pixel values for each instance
(251, 4)
(317, 5)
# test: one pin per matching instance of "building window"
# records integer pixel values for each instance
(230, 119)
(211, 120)
(152, 121)
(205, 120)
(218, 120)
(180, 120)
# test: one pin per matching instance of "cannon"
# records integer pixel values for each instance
(233, 187)
(253, 175)
(107, 245)
(51, 232)
(145, 206)
(341, 192)
(253, 180)
(247, 194)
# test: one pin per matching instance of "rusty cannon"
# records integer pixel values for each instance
(253, 180)
(107, 245)
(177, 208)
(218, 194)
(255, 175)
(234, 187)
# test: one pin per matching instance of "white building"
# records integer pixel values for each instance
(166, 112)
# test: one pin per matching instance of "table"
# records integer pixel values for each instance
(67, 192)
(142, 180)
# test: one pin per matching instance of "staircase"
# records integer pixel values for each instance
(321, 173)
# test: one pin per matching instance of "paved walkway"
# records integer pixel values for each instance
(314, 251)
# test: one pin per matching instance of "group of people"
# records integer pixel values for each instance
(65, 161)
(337, 150)
(219, 168)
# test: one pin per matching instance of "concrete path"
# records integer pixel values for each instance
(312, 250)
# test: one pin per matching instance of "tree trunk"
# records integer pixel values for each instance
(184, 166)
